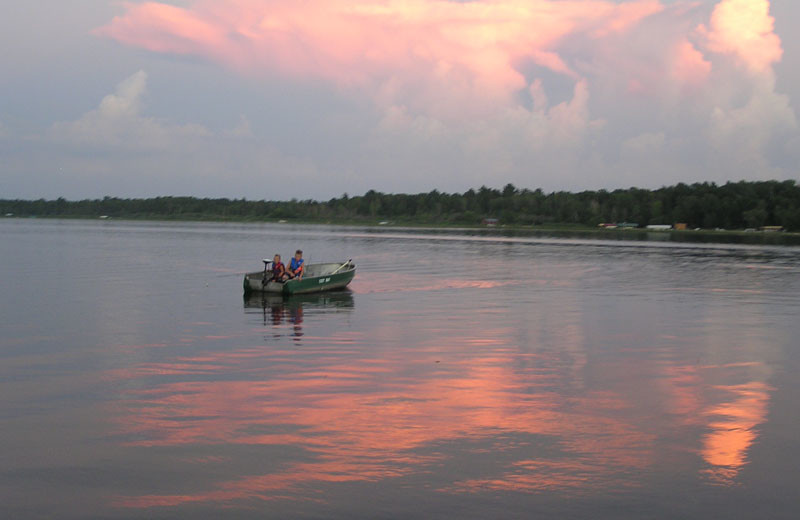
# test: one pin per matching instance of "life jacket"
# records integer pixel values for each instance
(278, 270)
(296, 266)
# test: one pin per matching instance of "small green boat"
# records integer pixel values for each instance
(317, 277)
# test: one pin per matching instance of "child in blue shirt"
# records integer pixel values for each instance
(295, 268)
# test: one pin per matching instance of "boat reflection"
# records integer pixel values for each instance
(280, 311)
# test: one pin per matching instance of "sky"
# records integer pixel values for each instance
(268, 99)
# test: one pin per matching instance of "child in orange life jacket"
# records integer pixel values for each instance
(278, 270)
(295, 269)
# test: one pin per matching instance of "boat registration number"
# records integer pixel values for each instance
(324, 280)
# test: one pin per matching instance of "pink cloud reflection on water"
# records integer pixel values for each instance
(361, 417)
(371, 419)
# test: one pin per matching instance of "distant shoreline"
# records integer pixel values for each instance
(735, 205)
(720, 236)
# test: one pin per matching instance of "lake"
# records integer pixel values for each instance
(463, 375)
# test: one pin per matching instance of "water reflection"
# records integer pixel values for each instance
(369, 421)
(525, 420)
(287, 312)
(520, 375)
(733, 424)
(558, 381)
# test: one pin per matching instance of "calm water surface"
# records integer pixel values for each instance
(460, 377)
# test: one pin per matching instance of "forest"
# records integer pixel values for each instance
(734, 205)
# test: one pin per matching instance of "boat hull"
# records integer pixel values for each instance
(319, 277)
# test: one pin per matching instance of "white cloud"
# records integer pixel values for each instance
(743, 136)
(115, 149)
(118, 123)
(744, 29)
(242, 129)
(518, 144)
(126, 102)
(649, 145)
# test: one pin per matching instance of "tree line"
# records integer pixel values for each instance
(734, 205)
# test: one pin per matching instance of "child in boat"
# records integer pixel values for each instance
(278, 270)
(295, 269)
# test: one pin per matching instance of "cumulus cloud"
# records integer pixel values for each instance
(438, 56)
(116, 149)
(741, 135)
(690, 67)
(744, 28)
(457, 59)
(242, 129)
(523, 145)
(749, 117)
(117, 122)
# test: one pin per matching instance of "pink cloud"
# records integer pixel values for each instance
(166, 28)
(442, 73)
(439, 51)
(744, 29)
(690, 66)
